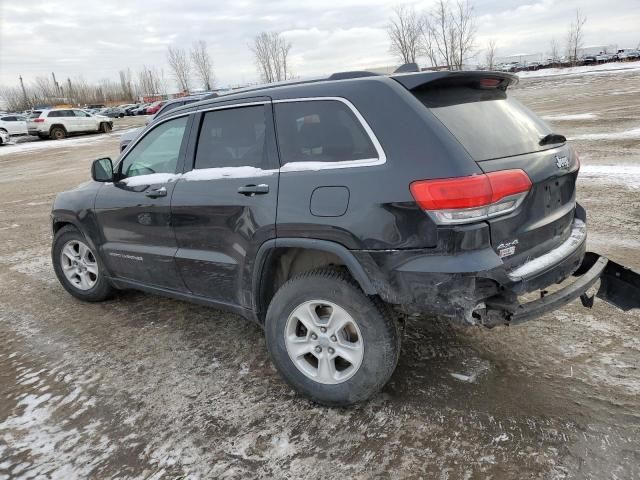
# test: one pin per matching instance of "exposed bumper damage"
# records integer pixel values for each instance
(474, 288)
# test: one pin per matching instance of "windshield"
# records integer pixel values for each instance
(485, 121)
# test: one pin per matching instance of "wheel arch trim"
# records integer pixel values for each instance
(350, 261)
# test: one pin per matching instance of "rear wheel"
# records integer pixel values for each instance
(77, 266)
(105, 127)
(57, 133)
(329, 340)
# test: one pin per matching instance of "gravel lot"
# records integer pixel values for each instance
(146, 387)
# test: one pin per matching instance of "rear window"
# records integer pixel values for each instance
(35, 114)
(485, 121)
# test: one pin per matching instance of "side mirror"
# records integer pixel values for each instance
(102, 170)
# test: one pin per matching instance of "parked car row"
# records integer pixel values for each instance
(621, 55)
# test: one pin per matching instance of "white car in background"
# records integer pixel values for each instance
(59, 123)
(13, 124)
(4, 137)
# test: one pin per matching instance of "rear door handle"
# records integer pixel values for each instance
(251, 190)
(157, 192)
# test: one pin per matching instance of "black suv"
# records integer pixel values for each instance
(329, 211)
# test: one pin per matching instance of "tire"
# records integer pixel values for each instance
(57, 133)
(105, 127)
(96, 289)
(373, 338)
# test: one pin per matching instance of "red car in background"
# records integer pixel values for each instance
(154, 107)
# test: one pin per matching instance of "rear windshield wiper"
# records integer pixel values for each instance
(552, 138)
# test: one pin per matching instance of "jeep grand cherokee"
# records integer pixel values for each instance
(330, 210)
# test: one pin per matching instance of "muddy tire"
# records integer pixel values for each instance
(78, 267)
(105, 127)
(330, 341)
(57, 133)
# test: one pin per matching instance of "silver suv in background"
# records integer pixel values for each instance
(62, 122)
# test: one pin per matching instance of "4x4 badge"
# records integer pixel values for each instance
(562, 162)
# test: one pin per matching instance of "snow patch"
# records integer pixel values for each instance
(625, 135)
(226, 172)
(627, 174)
(570, 117)
(198, 175)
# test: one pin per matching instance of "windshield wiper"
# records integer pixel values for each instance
(552, 138)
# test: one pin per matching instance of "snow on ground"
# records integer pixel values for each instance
(625, 174)
(27, 147)
(570, 118)
(623, 135)
(582, 70)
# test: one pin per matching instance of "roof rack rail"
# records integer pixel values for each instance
(352, 74)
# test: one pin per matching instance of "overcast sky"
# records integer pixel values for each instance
(95, 38)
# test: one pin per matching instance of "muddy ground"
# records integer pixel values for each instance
(145, 387)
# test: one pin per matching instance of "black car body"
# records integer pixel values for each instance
(433, 192)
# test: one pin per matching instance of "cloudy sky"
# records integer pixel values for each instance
(95, 38)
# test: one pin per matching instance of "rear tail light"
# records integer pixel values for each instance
(38, 120)
(469, 199)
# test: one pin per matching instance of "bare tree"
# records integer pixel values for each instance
(575, 37)
(554, 51)
(451, 32)
(490, 54)
(463, 18)
(180, 66)
(405, 30)
(202, 63)
(271, 53)
(125, 84)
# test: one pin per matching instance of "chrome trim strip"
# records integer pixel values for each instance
(365, 162)
(543, 262)
(291, 166)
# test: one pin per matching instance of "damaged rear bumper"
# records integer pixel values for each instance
(619, 286)
(475, 288)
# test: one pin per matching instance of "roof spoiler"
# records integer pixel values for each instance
(412, 81)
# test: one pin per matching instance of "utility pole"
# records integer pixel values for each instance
(24, 92)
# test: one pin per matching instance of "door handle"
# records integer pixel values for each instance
(157, 192)
(251, 190)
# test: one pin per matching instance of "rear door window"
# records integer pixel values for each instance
(321, 131)
(234, 137)
(485, 121)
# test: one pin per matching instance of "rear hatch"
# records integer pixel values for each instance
(32, 125)
(501, 134)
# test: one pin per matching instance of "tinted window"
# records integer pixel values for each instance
(486, 122)
(60, 113)
(80, 113)
(8, 119)
(157, 152)
(233, 138)
(321, 131)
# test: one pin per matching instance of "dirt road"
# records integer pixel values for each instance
(145, 387)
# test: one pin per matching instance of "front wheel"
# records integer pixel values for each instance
(329, 340)
(77, 266)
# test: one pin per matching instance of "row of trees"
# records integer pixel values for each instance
(148, 81)
(446, 36)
